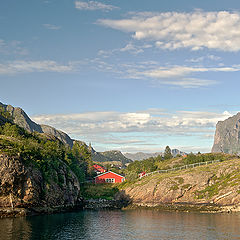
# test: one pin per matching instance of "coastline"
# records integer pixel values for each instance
(186, 207)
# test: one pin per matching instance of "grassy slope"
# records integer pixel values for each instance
(230, 177)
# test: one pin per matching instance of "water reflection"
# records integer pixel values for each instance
(126, 225)
(15, 228)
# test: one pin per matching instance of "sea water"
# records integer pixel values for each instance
(126, 225)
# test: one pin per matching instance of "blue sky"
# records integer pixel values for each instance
(127, 75)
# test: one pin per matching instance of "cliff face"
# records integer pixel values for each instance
(213, 184)
(24, 186)
(21, 119)
(227, 136)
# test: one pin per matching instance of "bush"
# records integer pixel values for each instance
(99, 191)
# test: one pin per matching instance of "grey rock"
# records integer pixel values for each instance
(227, 136)
(21, 119)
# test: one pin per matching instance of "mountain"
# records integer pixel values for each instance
(109, 156)
(227, 135)
(141, 155)
(176, 152)
(21, 119)
(115, 155)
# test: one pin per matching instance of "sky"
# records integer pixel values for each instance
(127, 75)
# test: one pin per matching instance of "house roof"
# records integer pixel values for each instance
(109, 172)
(97, 166)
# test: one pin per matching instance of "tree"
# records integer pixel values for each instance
(168, 153)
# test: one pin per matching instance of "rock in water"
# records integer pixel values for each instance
(227, 136)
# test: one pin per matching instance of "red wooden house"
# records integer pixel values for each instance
(98, 169)
(109, 177)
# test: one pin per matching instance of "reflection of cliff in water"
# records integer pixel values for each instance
(15, 228)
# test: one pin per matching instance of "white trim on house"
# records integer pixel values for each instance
(109, 172)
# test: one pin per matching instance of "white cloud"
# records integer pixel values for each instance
(51, 26)
(179, 75)
(134, 129)
(12, 48)
(202, 58)
(183, 76)
(173, 30)
(15, 67)
(130, 47)
(93, 5)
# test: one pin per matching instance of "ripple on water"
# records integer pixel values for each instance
(124, 225)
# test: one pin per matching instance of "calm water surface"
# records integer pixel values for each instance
(127, 225)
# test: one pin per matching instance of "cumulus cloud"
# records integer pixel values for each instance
(173, 30)
(15, 67)
(134, 129)
(93, 5)
(51, 26)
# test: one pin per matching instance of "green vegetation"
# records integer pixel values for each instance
(193, 158)
(99, 191)
(159, 163)
(220, 183)
(168, 153)
(5, 114)
(44, 154)
(136, 167)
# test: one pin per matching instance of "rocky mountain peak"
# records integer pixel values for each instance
(227, 135)
(21, 119)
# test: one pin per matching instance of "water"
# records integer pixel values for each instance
(126, 225)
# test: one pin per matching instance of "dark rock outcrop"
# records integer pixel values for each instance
(227, 136)
(23, 186)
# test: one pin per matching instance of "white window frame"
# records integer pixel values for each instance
(110, 180)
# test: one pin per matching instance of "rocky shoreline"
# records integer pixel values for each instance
(23, 212)
(187, 207)
(96, 204)
(100, 204)
(92, 204)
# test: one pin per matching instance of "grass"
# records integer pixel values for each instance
(220, 183)
(227, 180)
(99, 191)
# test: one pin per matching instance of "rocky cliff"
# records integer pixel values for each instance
(227, 136)
(21, 119)
(216, 184)
(23, 186)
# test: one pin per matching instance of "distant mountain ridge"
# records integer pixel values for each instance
(141, 155)
(109, 156)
